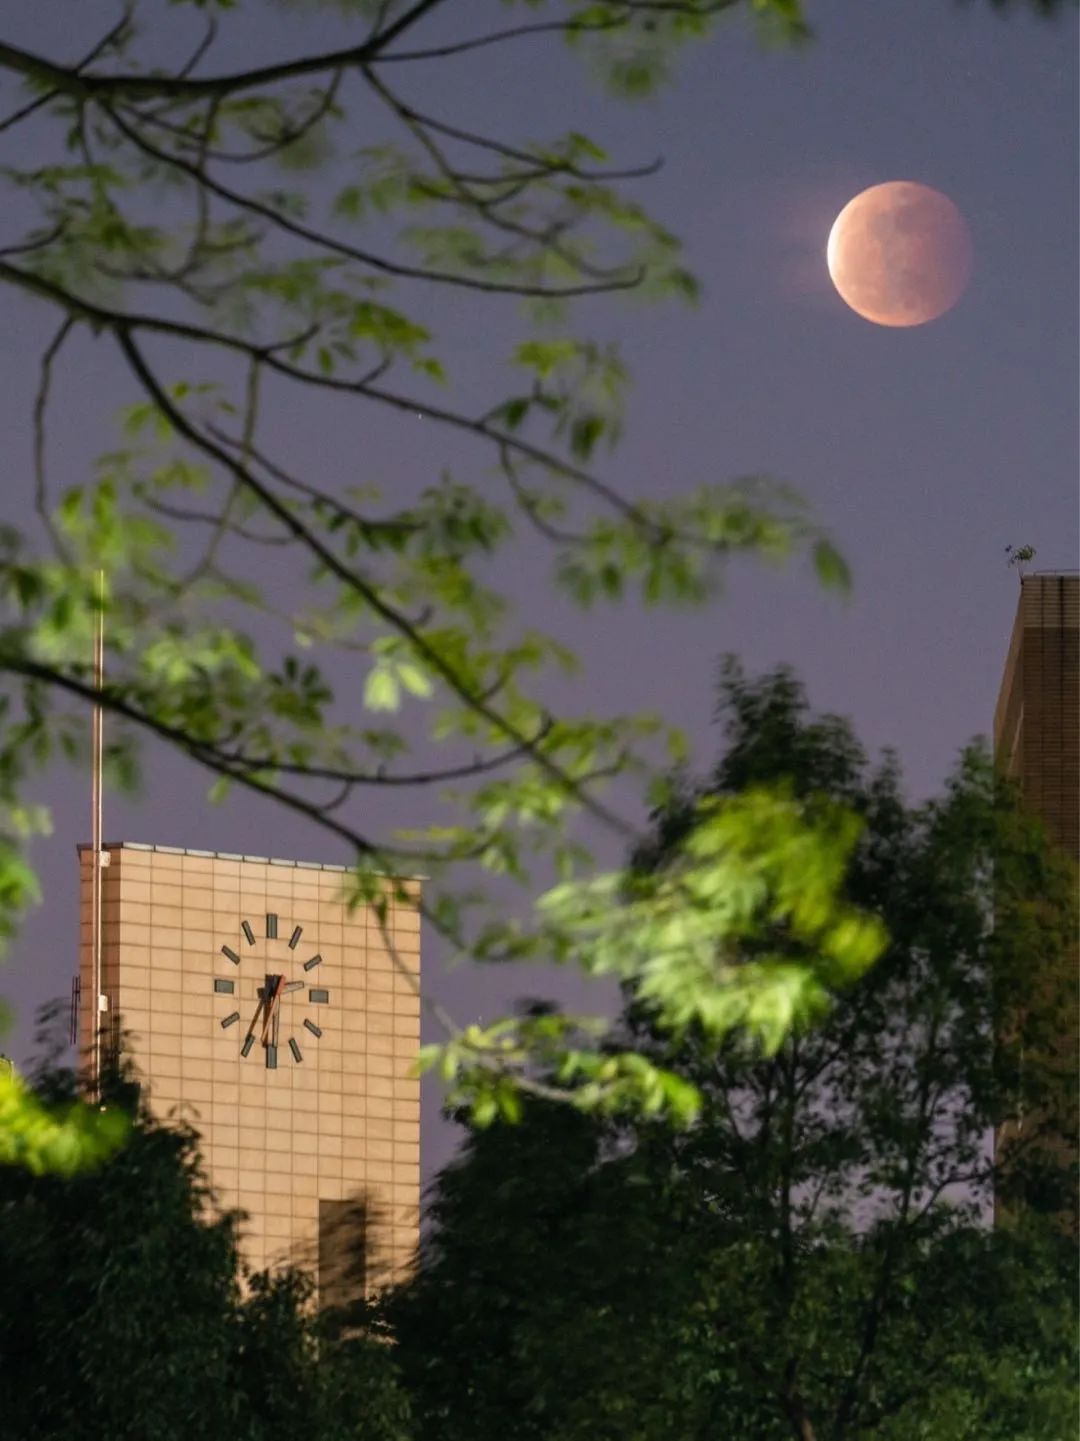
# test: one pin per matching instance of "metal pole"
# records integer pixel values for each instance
(95, 836)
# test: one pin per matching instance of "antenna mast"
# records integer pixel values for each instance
(97, 998)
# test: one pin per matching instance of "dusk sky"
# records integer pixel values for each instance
(924, 451)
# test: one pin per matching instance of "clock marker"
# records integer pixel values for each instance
(294, 938)
(319, 998)
(228, 951)
(271, 927)
(245, 926)
(271, 1056)
(313, 1028)
(295, 1050)
(230, 1020)
(249, 1041)
(224, 988)
(315, 961)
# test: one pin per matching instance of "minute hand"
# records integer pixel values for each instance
(270, 1001)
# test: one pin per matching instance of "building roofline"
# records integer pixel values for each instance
(236, 856)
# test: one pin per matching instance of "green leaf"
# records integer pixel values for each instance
(219, 790)
(832, 569)
(381, 690)
(416, 681)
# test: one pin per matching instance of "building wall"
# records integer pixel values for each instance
(1037, 719)
(306, 1146)
(1037, 743)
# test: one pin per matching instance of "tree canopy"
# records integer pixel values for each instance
(125, 1315)
(811, 1259)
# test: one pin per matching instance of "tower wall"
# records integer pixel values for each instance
(320, 1151)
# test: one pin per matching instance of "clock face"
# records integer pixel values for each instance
(282, 996)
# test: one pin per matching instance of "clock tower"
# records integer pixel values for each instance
(283, 1026)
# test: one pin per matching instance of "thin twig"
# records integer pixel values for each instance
(41, 401)
(322, 241)
(368, 592)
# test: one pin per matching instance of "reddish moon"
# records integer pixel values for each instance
(900, 254)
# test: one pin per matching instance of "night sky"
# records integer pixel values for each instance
(924, 451)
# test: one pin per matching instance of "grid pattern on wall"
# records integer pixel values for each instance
(1037, 744)
(1037, 719)
(334, 1127)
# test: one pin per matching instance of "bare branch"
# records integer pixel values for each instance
(176, 512)
(91, 87)
(525, 157)
(103, 319)
(363, 588)
(321, 497)
(232, 157)
(251, 411)
(41, 242)
(41, 401)
(379, 777)
(548, 238)
(111, 37)
(499, 37)
(322, 241)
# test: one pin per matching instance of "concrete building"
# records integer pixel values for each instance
(1037, 737)
(283, 1027)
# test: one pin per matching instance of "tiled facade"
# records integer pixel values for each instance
(299, 1145)
(1037, 734)
(1037, 719)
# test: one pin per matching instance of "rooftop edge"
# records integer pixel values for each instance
(236, 856)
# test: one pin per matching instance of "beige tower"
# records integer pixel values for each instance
(259, 1008)
(1037, 744)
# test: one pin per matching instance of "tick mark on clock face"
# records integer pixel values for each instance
(313, 1028)
(295, 937)
(230, 1020)
(271, 927)
(249, 934)
(315, 961)
(295, 1050)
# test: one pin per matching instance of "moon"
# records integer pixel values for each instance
(900, 253)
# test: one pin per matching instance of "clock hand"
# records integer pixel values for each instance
(293, 986)
(250, 1037)
(270, 1000)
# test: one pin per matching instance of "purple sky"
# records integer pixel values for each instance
(924, 451)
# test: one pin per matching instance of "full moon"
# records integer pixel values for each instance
(900, 253)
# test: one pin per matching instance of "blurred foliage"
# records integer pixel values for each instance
(122, 1315)
(812, 1258)
(61, 1140)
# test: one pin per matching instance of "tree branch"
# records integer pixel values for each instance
(322, 241)
(69, 79)
(367, 592)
